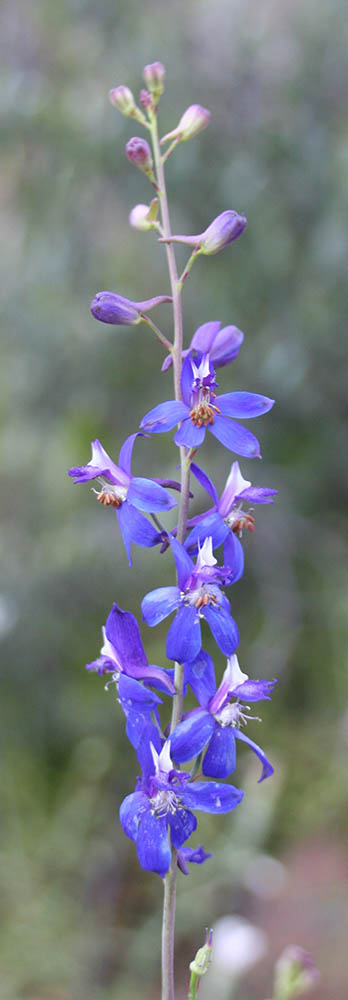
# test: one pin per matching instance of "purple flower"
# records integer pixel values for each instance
(196, 855)
(222, 231)
(161, 806)
(221, 345)
(109, 307)
(197, 596)
(123, 653)
(201, 409)
(217, 723)
(226, 520)
(126, 493)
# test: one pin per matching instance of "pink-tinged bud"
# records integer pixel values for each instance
(295, 974)
(122, 98)
(144, 217)
(145, 99)
(222, 231)
(108, 307)
(138, 152)
(154, 75)
(194, 119)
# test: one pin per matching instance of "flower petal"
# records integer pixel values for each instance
(267, 768)
(226, 346)
(200, 675)
(152, 843)
(192, 735)
(233, 557)
(243, 405)
(235, 438)
(122, 630)
(254, 690)
(125, 456)
(186, 381)
(258, 494)
(211, 525)
(164, 416)
(140, 730)
(135, 528)
(148, 496)
(159, 603)
(183, 562)
(184, 636)
(205, 337)
(134, 695)
(220, 758)
(205, 481)
(189, 435)
(235, 483)
(211, 797)
(182, 823)
(100, 465)
(223, 627)
(130, 812)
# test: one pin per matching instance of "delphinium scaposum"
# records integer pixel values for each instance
(206, 549)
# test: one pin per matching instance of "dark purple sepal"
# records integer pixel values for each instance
(223, 627)
(267, 768)
(205, 481)
(152, 843)
(200, 675)
(184, 637)
(190, 737)
(135, 528)
(196, 855)
(211, 797)
(181, 825)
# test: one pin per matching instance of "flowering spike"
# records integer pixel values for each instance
(122, 98)
(109, 307)
(194, 119)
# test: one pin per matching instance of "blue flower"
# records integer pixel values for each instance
(126, 493)
(216, 724)
(221, 345)
(197, 596)
(123, 653)
(226, 520)
(201, 409)
(161, 807)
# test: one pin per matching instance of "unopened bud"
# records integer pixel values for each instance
(143, 217)
(138, 152)
(154, 75)
(122, 98)
(111, 308)
(222, 231)
(200, 964)
(194, 119)
(295, 974)
(145, 99)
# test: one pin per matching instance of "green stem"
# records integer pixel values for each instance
(160, 336)
(168, 926)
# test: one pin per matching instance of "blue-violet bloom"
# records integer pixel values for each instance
(226, 520)
(197, 596)
(196, 855)
(126, 493)
(201, 409)
(161, 805)
(216, 724)
(123, 653)
(222, 345)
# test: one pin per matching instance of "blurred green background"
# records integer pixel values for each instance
(80, 920)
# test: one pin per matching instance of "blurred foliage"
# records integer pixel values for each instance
(80, 919)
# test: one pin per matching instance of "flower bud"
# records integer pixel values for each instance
(143, 217)
(109, 307)
(194, 119)
(138, 152)
(154, 75)
(222, 231)
(200, 964)
(145, 99)
(294, 974)
(122, 98)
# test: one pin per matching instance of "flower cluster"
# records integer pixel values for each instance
(159, 816)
